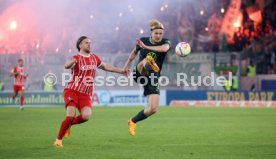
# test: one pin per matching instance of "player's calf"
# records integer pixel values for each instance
(150, 111)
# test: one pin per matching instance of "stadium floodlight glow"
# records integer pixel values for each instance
(120, 14)
(222, 10)
(201, 12)
(237, 24)
(162, 8)
(117, 28)
(141, 31)
(13, 25)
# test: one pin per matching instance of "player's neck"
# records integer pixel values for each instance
(84, 54)
(152, 41)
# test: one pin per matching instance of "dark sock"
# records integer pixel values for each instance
(139, 117)
(148, 68)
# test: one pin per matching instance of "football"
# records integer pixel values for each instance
(183, 49)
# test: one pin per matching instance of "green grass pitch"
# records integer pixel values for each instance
(172, 133)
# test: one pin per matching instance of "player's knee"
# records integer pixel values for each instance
(86, 116)
(142, 63)
(70, 114)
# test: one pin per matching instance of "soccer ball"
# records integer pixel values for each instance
(183, 49)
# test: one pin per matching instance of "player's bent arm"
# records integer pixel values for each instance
(110, 68)
(162, 48)
(70, 64)
(13, 74)
(131, 57)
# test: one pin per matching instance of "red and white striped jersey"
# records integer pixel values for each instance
(18, 79)
(83, 73)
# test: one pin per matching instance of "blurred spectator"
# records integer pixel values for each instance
(26, 85)
(227, 84)
(2, 87)
(235, 83)
(251, 69)
(47, 85)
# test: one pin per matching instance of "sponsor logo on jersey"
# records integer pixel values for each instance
(88, 67)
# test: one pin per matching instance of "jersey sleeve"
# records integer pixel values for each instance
(166, 41)
(76, 58)
(13, 70)
(137, 47)
(98, 60)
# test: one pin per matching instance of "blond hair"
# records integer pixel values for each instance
(155, 24)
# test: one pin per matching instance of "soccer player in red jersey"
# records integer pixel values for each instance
(18, 84)
(79, 89)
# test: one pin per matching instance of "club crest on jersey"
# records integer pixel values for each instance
(153, 55)
(88, 67)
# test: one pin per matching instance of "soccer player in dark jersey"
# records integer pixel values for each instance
(19, 75)
(152, 50)
(79, 89)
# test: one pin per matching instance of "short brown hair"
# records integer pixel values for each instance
(79, 41)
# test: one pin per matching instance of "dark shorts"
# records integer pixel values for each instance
(150, 86)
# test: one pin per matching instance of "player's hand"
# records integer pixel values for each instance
(126, 71)
(140, 43)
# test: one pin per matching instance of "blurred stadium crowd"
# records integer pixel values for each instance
(196, 22)
(114, 30)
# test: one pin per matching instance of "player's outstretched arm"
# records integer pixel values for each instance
(25, 76)
(131, 57)
(70, 64)
(110, 68)
(161, 48)
(12, 73)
